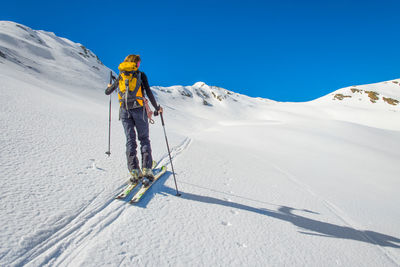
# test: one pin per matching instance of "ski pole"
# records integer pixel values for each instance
(169, 152)
(109, 121)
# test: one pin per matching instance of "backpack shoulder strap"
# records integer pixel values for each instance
(138, 82)
(118, 78)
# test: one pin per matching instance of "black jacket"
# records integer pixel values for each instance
(145, 88)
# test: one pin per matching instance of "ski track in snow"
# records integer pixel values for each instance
(341, 215)
(68, 239)
(73, 232)
(53, 138)
(175, 151)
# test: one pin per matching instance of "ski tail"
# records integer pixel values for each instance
(127, 190)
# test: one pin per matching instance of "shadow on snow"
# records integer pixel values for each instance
(283, 213)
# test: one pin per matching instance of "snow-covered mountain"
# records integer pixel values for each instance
(375, 105)
(49, 61)
(382, 94)
(263, 183)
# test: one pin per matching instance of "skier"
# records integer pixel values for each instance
(133, 86)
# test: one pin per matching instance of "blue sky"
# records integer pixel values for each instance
(288, 50)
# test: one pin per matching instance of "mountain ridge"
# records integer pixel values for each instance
(26, 47)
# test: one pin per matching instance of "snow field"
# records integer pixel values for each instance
(263, 183)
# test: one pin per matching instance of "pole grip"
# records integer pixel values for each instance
(162, 119)
(156, 113)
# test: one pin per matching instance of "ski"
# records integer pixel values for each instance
(136, 198)
(131, 186)
(128, 189)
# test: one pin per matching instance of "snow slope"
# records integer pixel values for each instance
(263, 183)
(375, 105)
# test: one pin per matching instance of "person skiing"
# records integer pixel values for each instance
(133, 86)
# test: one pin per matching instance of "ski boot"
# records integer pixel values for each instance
(136, 174)
(148, 176)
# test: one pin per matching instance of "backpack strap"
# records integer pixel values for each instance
(138, 83)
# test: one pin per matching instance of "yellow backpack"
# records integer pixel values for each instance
(130, 93)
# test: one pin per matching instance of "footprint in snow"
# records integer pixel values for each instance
(226, 223)
(93, 165)
(241, 245)
(234, 212)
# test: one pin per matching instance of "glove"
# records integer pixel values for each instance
(158, 111)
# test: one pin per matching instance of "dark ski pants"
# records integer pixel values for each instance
(131, 119)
